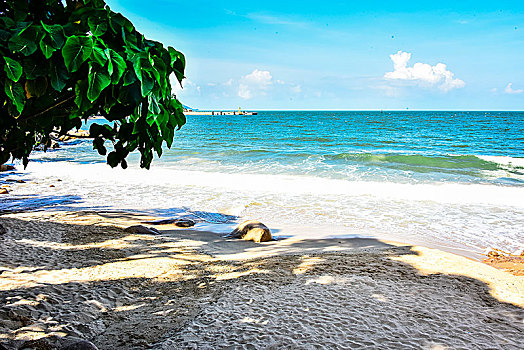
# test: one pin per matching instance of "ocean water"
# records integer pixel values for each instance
(447, 179)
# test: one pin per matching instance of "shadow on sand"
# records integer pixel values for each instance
(189, 289)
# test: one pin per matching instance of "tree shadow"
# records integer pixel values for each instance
(29, 203)
(190, 289)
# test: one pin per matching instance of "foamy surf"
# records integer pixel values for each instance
(463, 216)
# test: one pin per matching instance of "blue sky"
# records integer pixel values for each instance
(444, 55)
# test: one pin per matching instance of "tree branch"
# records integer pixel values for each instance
(47, 109)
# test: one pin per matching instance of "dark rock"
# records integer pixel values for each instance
(3, 230)
(184, 223)
(160, 222)
(176, 222)
(252, 231)
(6, 167)
(4, 191)
(142, 230)
(38, 344)
(77, 344)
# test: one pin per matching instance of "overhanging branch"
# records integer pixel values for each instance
(59, 103)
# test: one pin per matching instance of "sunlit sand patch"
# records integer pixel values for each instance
(325, 280)
(238, 274)
(121, 243)
(380, 297)
(503, 286)
(136, 268)
(127, 307)
(307, 264)
(255, 321)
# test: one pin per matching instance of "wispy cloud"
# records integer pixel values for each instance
(276, 19)
(509, 90)
(422, 74)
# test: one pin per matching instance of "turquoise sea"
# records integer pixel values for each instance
(449, 179)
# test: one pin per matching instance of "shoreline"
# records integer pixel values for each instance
(78, 274)
(79, 189)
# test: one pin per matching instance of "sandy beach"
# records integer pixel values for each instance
(78, 274)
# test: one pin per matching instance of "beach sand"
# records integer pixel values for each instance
(78, 274)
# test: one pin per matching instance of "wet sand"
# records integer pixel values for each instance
(78, 274)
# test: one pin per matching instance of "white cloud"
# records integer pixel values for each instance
(509, 89)
(190, 88)
(422, 73)
(255, 83)
(244, 92)
(261, 78)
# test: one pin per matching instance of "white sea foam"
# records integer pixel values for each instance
(455, 193)
(504, 160)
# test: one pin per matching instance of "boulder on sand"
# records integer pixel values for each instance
(142, 230)
(252, 231)
(6, 167)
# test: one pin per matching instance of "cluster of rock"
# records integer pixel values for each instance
(248, 231)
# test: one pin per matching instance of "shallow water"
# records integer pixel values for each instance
(451, 179)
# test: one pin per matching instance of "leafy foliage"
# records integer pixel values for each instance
(64, 61)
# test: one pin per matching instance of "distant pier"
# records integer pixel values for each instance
(239, 112)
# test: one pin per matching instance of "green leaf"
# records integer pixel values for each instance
(56, 34)
(58, 76)
(20, 27)
(97, 26)
(99, 79)
(34, 68)
(46, 47)
(13, 69)
(98, 145)
(100, 53)
(130, 95)
(153, 105)
(76, 51)
(7, 22)
(81, 99)
(16, 93)
(4, 35)
(113, 159)
(147, 83)
(129, 78)
(119, 22)
(119, 66)
(36, 88)
(178, 63)
(25, 42)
